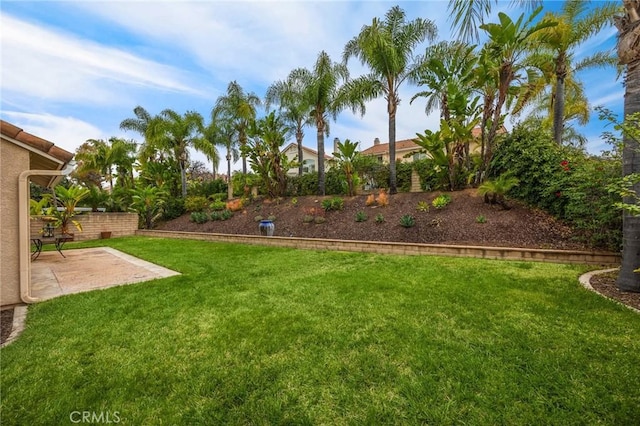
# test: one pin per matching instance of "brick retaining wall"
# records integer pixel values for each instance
(507, 253)
(119, 224)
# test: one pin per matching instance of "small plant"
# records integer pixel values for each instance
(407, 221)
(307, 218)
(218, 205)
(294, 201)
(494, 191)
(371, 200)
(361, 216)
(199, 217)
(226, 214)
(335, 204)
(423, 206)
(436, 222)
(441, 201)
(383, 198)
(481, 219)
(319, 219)
(258, 218)
(271, 217)
(216, 215)
(379, 218)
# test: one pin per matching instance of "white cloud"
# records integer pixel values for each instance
(46, 64)
(67, 133)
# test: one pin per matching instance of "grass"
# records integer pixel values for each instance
(258, 335)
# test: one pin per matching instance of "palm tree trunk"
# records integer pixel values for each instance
(558, 107)
(299, 136)
(628, 280)
(320, 139)
(229, 185)
(391, 108)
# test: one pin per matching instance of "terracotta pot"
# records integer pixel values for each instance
(105, 235)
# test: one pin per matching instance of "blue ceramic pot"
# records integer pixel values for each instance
(266, 228)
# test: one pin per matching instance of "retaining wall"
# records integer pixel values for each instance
(119, 224)
(507, 253)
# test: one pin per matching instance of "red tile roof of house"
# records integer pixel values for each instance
(16, 133)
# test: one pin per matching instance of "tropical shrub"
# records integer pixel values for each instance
(235, 205)
(334, 203)
(361, 216)
(218, 205)
(148, 202)
(494, 191)
(226, 214)
(195, 203)
(173, 208)
(407, 221)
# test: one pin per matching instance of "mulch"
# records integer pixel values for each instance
(6, 324)
(605, 284)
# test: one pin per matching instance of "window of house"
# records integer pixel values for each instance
(419, 156)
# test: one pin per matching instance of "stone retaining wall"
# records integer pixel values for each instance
(506, 253)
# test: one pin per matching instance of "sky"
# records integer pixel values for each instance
(73, 70)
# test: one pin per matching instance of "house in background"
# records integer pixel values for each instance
(309, 159)
(408, 151)
(23, 158)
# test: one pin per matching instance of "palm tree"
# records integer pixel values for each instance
(207, 145)
(240, 108)
(468, 15)
(326, 94)
(508, 42)
(629, 54)
(575, 24)
(386, 47)
(174, 133)
(346, 157)
(226, 136)
(289, 94)
(140, 124)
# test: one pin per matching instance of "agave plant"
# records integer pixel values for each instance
(494, 191)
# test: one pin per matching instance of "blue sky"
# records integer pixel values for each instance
(73, 70)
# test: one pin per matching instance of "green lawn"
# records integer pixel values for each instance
(257, 335)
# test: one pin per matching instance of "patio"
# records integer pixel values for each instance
(89, 269)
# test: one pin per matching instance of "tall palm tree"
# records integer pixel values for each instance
(207, 145)
(239, 107)
(140, 124)
(293, 106)
(575, 24)
(387, 48)
(175, 133)
(325, 92)
(629, 54)
(225, 135)
(122, 154)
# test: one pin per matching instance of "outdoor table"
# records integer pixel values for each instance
(40, 241)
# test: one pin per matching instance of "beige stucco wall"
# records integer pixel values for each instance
(13, 161)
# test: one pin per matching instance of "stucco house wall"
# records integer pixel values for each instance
(13, 161)
(309, 158)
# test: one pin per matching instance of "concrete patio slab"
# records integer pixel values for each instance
(89, 269)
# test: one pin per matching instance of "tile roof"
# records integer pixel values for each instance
(383, 148)
(44, 155)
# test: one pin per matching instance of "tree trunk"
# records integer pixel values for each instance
(320, 139)
(628, 280)
(183, 178)
(299, 136)
(391, 108)
(229, 185)
(558, 106)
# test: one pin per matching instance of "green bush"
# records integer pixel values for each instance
(335, 203)
(422, 206)
(226, 214)
(407, 221)
(379, 218)
(195, 203)
(361, 216)
(199, 217)
(216, 215)
(173, 208)
(218, 205)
